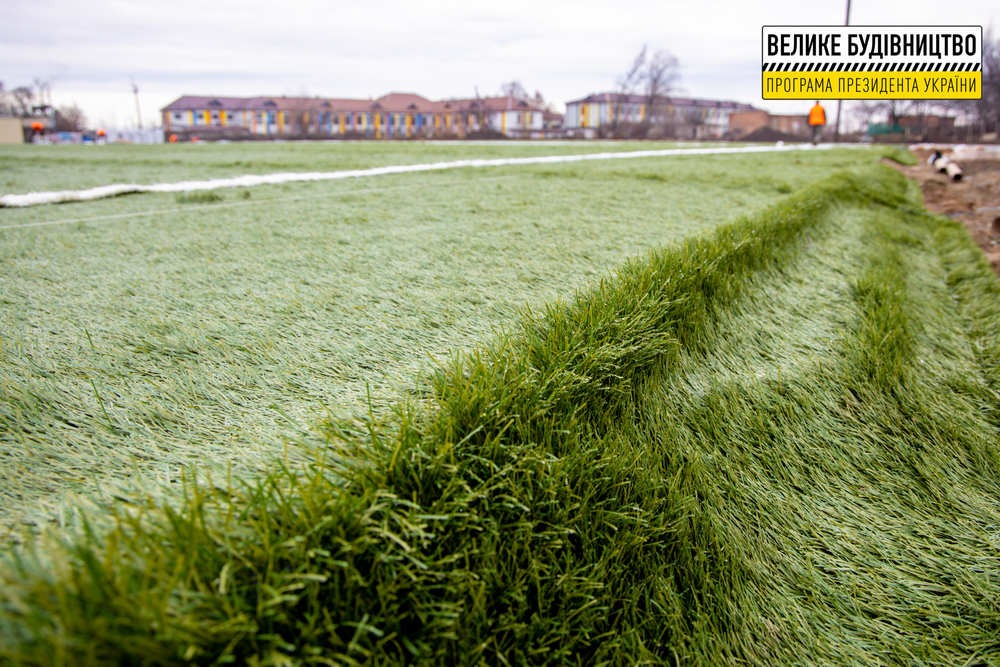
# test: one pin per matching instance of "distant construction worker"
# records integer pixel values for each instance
(817, 119)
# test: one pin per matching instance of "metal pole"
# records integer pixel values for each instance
(836, 135)
(135, 89)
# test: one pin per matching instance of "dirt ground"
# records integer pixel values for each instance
(974, 200)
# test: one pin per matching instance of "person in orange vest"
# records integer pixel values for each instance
(817, 119)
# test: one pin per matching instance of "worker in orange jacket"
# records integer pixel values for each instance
(817, 119)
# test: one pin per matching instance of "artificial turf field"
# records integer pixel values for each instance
(748, 416)
(206, 332)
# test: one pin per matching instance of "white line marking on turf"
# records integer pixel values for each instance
(36, 198)
(185, 209)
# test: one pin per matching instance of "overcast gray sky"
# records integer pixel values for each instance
(90, 50)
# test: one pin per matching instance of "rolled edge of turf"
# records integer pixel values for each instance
(976, 291)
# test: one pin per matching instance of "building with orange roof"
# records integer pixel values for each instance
(681, 117)
(392, 116)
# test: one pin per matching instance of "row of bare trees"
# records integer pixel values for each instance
(985, 113)
(35, 100)
(980, 117)
(24, 100)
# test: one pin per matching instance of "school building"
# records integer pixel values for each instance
(396, 115)
(680, 117)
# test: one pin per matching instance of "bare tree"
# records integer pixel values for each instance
(23, 97)
(518, 92)
(626, 86)
(694, 119)
(865, 111)
(6, 103)
(540, 102)
(661, 77)
(967, 110)
(988, 108)
(883, 111)
(892, 112)
(301, 119)
(483, 112)
(297, 117)
(26, 100)
(44, 89)
(983, 115)
(514, 89)
(70, 119)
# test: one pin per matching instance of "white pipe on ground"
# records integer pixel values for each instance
(943, 164)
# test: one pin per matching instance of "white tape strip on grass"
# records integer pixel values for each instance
(253, 202)
(36, 198)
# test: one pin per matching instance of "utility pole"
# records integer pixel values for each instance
(135, 91)
(836, 135)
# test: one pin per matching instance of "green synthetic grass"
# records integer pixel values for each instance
(207, 331)
(205, 197)
(900, 155)
(774, 443)
(32, 168)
